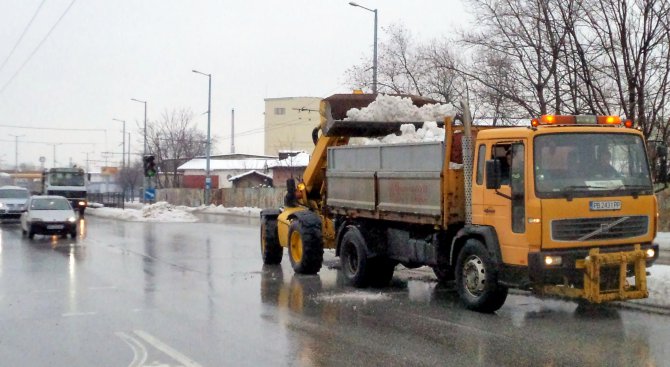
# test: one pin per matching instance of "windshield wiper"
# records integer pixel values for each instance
(568, 190)
(635, 189)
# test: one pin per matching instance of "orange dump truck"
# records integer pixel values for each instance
(563, 207)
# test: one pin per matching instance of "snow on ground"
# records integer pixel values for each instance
(164, 212)
(357, 296)
(658, 284)
(158, 212)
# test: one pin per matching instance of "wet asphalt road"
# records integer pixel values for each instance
(197, 294)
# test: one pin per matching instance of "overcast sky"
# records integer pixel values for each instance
(103, 53)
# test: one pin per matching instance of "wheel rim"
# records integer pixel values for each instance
(352, 259)
(296, 247)
(474, 276)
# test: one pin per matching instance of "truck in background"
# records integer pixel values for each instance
(69, 182)
(489, 208)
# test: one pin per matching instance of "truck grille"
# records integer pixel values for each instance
(602, 228)
(69, 194)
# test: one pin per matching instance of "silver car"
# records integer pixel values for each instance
(12, 201)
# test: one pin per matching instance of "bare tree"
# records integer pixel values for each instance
(131, 177)
(174, 139)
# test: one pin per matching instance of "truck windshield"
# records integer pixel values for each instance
(66, 179)
(590, 164)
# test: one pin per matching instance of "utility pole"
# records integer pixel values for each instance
(16, 153)
(232, 133)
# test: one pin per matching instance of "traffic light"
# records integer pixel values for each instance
(149, 166)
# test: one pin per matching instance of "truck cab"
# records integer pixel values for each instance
(554, 191)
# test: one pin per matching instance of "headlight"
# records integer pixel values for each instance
(553, 260)
(650, 253)
(71, 219)
(1, 205)
(82, 203)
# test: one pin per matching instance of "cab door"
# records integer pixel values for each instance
(505, 208)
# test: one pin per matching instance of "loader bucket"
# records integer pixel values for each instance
(334, 111)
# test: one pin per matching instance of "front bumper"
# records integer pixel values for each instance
(539, 272)
(53, 227)
(596, 274)
(10, 213)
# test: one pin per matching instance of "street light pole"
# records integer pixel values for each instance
(374, 55)
(16, 153)
(145, 124)
(123, 149)
(208, 178)
(146, 182)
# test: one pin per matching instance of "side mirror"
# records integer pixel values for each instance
(493, 174)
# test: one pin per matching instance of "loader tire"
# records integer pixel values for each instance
(477, 279)
(271, 250)
(305, 243)
(354, 259)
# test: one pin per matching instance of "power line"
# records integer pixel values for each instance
(25, 30)
(52, 128)
(38, 47)
(44, 142)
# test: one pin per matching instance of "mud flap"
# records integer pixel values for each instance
(594, 265)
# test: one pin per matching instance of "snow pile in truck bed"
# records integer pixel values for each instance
(395, 108)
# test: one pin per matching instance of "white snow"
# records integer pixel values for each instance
(357, 296)
(658, 284)
(395, 108)
(164, 212)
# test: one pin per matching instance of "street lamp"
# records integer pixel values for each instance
(208, 179)
(123, 151)
(374, 56)
(145, 124)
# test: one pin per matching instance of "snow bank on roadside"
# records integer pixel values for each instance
(658, 284)
(158, 212)
(164, 212)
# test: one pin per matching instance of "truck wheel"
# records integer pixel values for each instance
(31, 234)
(81, 212)
(477, 279)
(271, 250)
(305, 244)
(73, 234)
(354, 259)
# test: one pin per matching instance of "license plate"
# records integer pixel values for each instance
(55, 226)
(605, 205)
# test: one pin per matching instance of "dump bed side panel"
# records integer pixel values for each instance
(401, 179)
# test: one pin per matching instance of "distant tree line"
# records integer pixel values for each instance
(525, 58)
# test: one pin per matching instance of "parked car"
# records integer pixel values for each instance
(12, 201)
(48, 215)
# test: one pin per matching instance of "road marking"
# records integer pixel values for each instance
(71, 314)
(186, 361)
(139, 351)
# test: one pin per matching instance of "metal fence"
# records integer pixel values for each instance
(108, 199)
